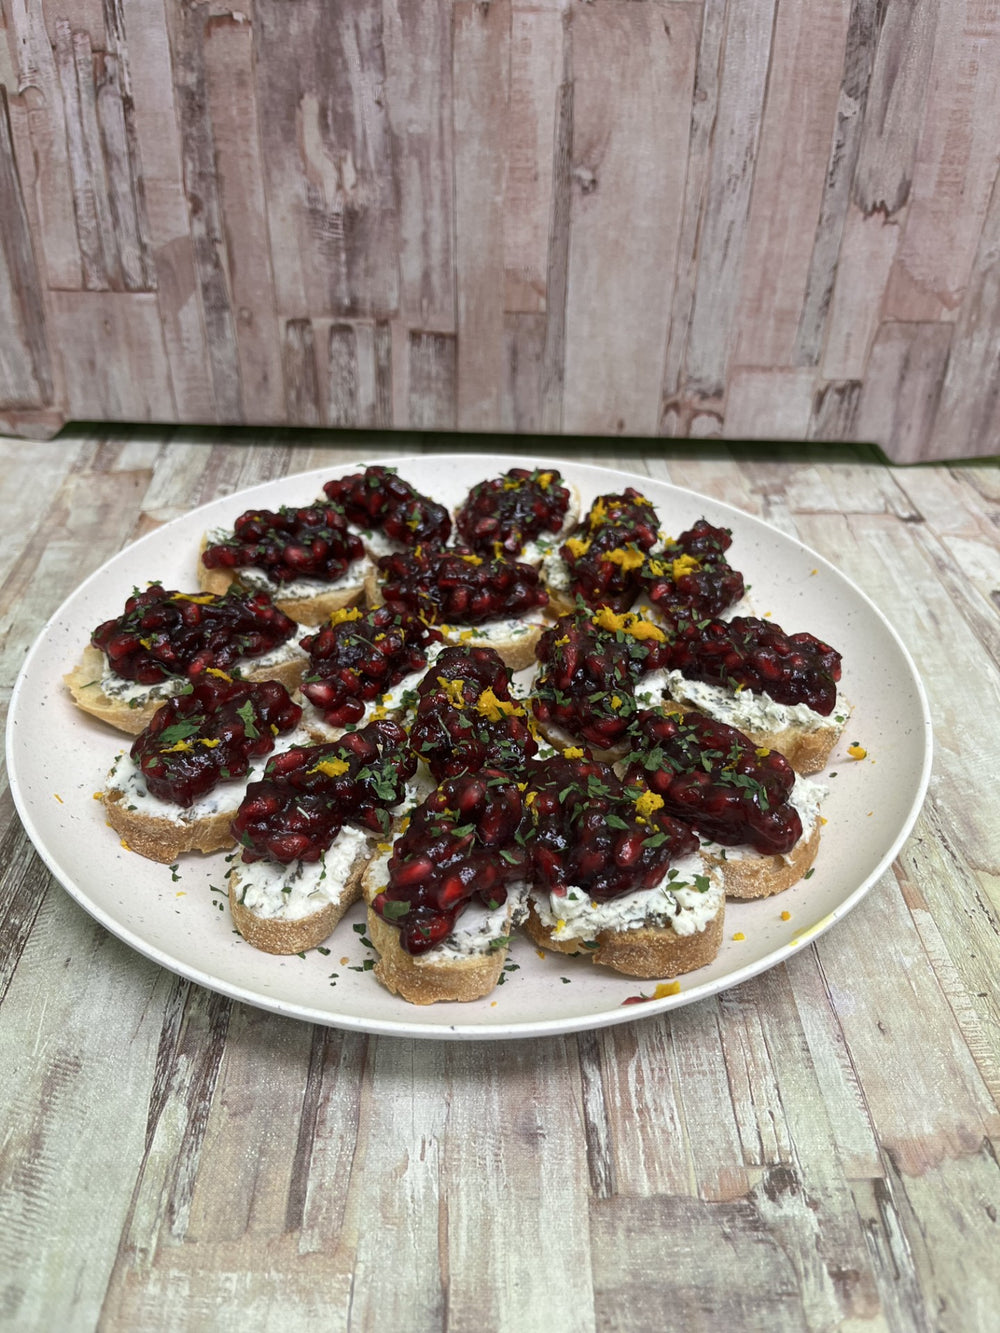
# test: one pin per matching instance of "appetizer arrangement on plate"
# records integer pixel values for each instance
(519, 714)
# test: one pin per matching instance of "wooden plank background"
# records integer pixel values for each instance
(746, 219)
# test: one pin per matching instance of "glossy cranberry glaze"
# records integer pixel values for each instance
(289, 544)
(459, 844)
(466, 718)
(210, 734)
(309, 792)
(716, 779)
(508, 512)
(588, 673)
(758, 655)
(447, 587)
(357, 659)
(379, 498)
(163, 634)
(604, 555)
(707, 590)
(588, 834)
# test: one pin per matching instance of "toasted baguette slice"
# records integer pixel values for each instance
(464, 967)
(161, 832)
(806, 738)
(132, 711)
(514, 639)
(672, 929)
(749, 874)
(307, 601)
(286, 909)
(560, 739)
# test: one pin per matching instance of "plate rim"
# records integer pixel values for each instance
(495, 464)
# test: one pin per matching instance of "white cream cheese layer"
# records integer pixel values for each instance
(746, 710)
(676, 901)
(495, 631)
(132, 692)
(126, 777)
(291, 892)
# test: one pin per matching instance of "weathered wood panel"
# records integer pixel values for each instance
(614, 211)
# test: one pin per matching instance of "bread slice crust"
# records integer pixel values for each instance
(160, 839)
(647, 951)
(280, 935)
(762, 876)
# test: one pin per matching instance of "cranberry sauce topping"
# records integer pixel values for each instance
(162, 634)
(211, 733)
(594, 833)
(714, 778)
(605, 555)
(310, 543)
(758, 655)
(378, 498)
(309, 792)
(590, 663)
(460, 843)
(466, 719)
(450, 587)
(504, 514)
(692, 573)
(360, 655)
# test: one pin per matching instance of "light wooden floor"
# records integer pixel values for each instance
(815, 1149)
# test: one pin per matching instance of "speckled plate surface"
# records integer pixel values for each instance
(58, 757)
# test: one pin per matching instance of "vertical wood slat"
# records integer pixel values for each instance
(632, 65)
(25, 370)
(481, 80)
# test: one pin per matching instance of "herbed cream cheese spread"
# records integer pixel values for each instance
(126, 777)
(135, 694)
(687, 899)
(291, 892)
(745, 710)
(496, 631)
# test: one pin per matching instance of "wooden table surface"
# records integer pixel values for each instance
(813, 1149)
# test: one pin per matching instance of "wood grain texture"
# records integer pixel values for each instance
(814, 1149)
(612, 213)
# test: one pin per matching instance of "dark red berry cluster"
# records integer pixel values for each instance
(451, 587)
(604, 554)
(162, 634)
(505, 513)
(359, 657)
(309, 792)
(466, 718)
(714, 778)
(591, 831)
(380, 499)
(459, 844)
(589, 667)
(704, 584)
(756, 654)
(210, 734)
(288, 544)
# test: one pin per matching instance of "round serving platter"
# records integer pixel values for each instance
(58, 757)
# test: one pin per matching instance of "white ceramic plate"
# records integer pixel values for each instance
(58, 758)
